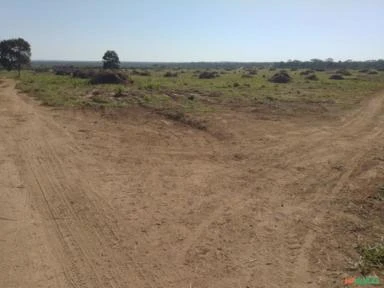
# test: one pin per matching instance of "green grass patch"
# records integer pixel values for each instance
(189, 94)
(371, 257)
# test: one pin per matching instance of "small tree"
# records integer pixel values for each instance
(14, 53)
(111, 60)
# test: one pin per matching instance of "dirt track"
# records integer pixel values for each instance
(136, 201)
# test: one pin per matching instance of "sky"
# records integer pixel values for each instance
(197, 30)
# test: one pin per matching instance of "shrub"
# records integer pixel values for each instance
(236, 84)
(109, 77)
(336, 77)
(373, 72)
(170, 74)
(280, 77)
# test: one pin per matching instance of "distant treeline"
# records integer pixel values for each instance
(329, 64)
(315, 64)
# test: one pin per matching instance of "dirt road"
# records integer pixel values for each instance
(137, 201)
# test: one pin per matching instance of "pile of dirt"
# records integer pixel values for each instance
(336, 77)
(312, 77)
(110, 77)
(208, 75)
(83, 74)
(280, 77)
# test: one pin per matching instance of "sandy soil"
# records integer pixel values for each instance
(105, 200)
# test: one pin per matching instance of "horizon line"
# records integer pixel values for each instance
(138, 61)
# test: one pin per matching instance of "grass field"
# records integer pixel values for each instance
(188, 93)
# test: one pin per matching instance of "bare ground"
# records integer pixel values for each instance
(90, 200)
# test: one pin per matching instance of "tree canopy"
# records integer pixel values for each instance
(14, 53)
(111, 60)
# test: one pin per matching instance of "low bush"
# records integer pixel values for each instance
(170, 74)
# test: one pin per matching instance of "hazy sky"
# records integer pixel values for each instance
(197, 30)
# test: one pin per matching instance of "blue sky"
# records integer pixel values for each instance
(197, 30)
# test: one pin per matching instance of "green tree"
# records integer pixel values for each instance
(15, 53)
(111, 60)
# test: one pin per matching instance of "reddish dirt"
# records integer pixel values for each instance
(105, 200)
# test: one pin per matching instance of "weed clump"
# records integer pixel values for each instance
(183, 118)
(141, 73)
(371, 257)
(343, 72)
(307, 72)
